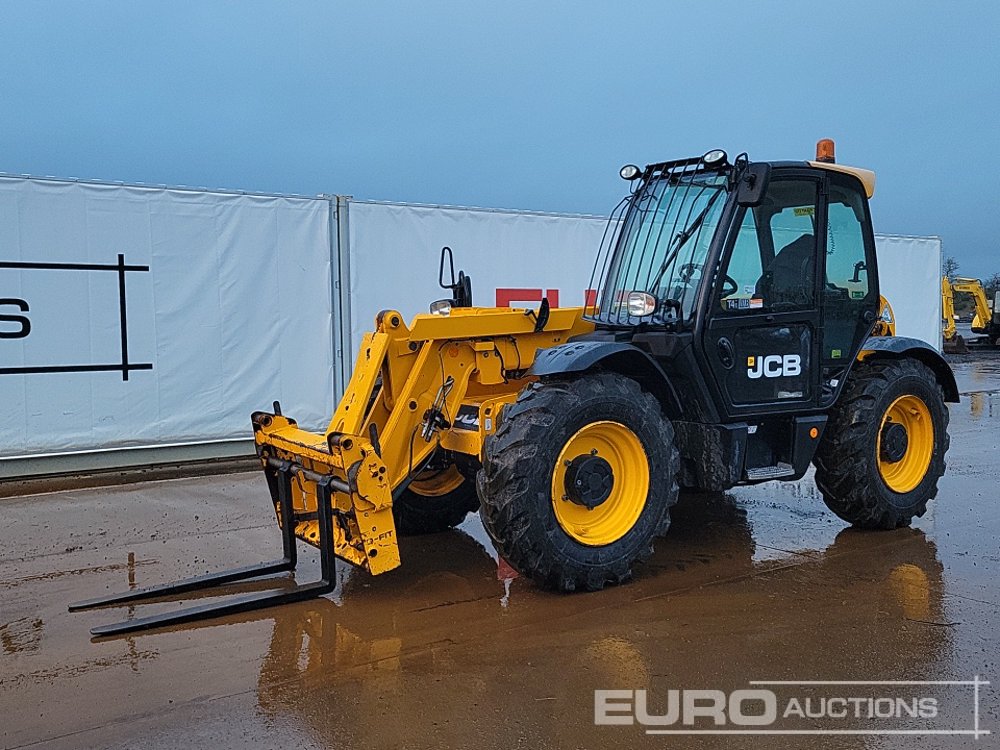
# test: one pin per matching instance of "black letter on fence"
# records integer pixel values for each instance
(22, 320)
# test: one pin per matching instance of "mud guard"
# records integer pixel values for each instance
(614, 356)
(877, 347)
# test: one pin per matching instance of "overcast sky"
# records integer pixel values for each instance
(510, 104)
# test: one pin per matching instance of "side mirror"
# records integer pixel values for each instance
(753, 184)
(463, 291)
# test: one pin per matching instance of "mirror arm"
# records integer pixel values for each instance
(451, 264)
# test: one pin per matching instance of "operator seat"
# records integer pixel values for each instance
(788, 280)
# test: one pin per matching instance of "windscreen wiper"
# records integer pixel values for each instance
(681, 238)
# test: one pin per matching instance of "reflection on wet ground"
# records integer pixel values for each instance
(982, 405)
(759, 583)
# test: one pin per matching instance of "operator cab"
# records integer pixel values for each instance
(765, 271)
(753, 286)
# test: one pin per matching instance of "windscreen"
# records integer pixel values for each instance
(657, 242)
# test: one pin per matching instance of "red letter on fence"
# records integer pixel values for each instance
(507, 295)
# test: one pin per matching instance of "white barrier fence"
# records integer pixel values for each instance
(513, 257)
(141, 325)
(156, 317)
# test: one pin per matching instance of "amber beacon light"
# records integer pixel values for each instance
(824, 151)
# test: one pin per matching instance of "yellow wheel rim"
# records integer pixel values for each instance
(906, 473)
(615, 516)
(437, 483)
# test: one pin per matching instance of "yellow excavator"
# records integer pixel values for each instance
(737, 336)
(985, 321)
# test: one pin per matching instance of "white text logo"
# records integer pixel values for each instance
(774, 366)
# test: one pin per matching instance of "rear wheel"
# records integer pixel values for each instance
(578, 480)
(437, 499)
(884, 447)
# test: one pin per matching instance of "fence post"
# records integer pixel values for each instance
(341, 267)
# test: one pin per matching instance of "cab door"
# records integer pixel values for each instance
(762, 332)
(850, 293)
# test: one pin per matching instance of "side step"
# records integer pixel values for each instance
(771, 472)
(246, 603)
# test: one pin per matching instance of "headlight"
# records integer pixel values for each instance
(715, 157)
(441, 307)
(629, 172)
(640, 304)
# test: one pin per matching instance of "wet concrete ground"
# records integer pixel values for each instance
(760, 584)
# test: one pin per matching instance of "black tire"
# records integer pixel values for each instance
(515, 483)
(415, 513)
(847, 460)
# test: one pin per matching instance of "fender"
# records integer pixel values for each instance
(894, 347)
(627, 360)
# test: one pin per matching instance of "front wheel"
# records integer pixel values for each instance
(436, 500)
(578, 480)
(884, 447)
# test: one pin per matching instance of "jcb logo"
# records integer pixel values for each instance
(774, 366)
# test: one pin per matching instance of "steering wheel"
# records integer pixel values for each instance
(686, 271)
(729, 286)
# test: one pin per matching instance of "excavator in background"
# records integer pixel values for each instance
(985, 322)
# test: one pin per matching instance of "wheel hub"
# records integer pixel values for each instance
(610, 472)
(589, 481)
(894, 442)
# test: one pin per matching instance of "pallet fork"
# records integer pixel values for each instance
(284, 473)
(338, 488)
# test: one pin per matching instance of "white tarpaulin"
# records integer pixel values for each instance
(225, 298)
(513, 257)
(516, 257)
(909, 276)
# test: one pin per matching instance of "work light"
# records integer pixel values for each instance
(629, 172)
(714, 158)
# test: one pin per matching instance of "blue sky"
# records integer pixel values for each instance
(513, 104)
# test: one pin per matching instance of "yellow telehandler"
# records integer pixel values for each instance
(737, 336)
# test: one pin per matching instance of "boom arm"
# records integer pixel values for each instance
(410, 385)
(948, 309)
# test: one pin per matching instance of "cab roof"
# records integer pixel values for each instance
(866, 176)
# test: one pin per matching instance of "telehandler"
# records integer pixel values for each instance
(737, 335)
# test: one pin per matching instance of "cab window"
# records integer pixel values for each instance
(772, 265)
(744, 268)
(845, 244)
(847, 289)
